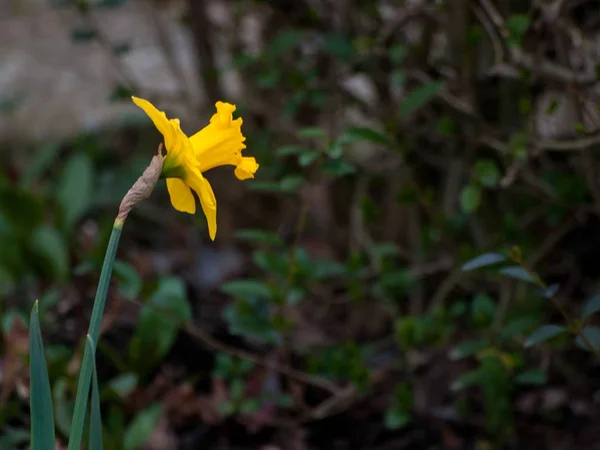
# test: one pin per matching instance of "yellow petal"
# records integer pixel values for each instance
(246, 168)
(207, 200)
(219, 143)
(176, 141)
(182, 198)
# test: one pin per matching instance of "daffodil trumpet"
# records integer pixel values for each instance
(220, 143)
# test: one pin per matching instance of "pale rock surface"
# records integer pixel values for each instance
(61, 87)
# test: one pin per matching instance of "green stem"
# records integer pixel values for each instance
(85, 375)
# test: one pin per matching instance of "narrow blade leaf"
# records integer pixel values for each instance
(95, 416)
(79, 413)
(42, 414)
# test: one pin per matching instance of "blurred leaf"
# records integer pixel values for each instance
(592, 306)
(395, 420)
(517, 272)
(122, 49)
(121, 92)
(487, 172)
(63, 406)
(247, 289)
(251, 318)
(83, 34)
(312, 133)
(283, 41)
(470, 198)
(517, 25)
(291, 183)
(75, 188)
(141, 428)
(123, 384)
(338, 167)
(131, 282)
(551, 291)
(43, 160)
(159, 322)
(257, 236)
(483, 309)
(14, 438)
(308, 157)
(544, 333)
(398, 53)
(532, 377)
(418, 98)
(110, 3)
(487, 259)
(291, 150)
(367, 134)
(592, 334)
(339, 46)
(467, 380)
(516, 327)
(466, 349)
(42, 413)
(48, 244)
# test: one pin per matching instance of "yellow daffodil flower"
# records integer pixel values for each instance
(220, 143)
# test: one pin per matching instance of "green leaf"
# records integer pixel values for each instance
(83, 34)
(487, 259)
(339, 46)
(141, 428)
(48, 244)
(121, 92)
(533, 377)
(85, 373)
(159, 322)
(40, 162)
(257, 236)
(131, 282)
(398, 53)
(75, 188)
(466, 349)
(483, 309)
(395, 420)
(467, 380)
(544, 333)
(247, 289)
(487, 172)
(592, 334)
(42, 414)
(312, 133)
(470, 198)
(592, 306)
(95, 438)
(308, 157)
(367, 134)
(517, 272)
(283, 41)
(123, 384)
(338, 167)
(291, 150)
(14, 438)
(418, 98)
(291, 183)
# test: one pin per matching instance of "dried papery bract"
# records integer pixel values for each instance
(143, 187)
